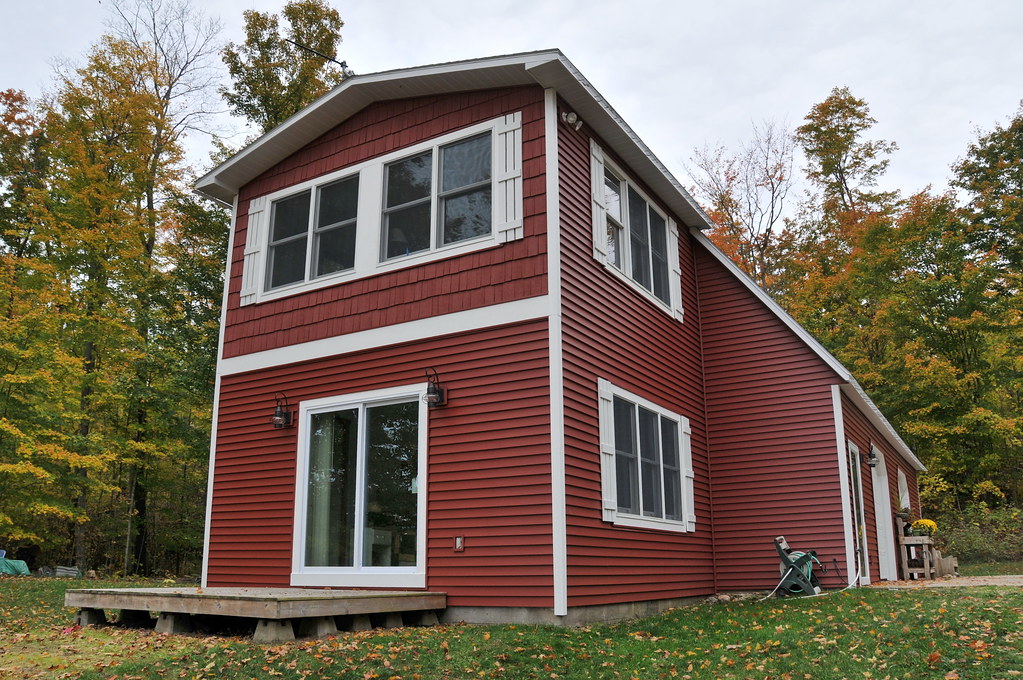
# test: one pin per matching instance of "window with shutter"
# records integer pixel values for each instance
(631, 237)
(646, 463)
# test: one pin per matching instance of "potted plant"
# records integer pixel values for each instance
(924, 527)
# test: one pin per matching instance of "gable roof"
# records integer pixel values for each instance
(851, 388)
(548, 69)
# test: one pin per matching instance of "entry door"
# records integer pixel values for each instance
(883, 518)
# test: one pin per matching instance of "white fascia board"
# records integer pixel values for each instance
(352, 95)
(851, 387)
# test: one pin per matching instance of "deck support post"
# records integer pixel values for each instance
(317, 627)
(429, 618)
(274, 630)
(393, 620)
(361, 622)
(174, 623)
(90, 617)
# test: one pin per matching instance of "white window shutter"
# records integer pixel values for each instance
(608, 495)
(255, 238)
(676, 270)
(599, 207)
(508, 177)
(689, 501)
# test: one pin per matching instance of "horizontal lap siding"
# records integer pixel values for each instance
(503, 273)
(610, 331)
(859, 430)
(488, 466)
(774, 461)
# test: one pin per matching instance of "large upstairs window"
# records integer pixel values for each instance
(453, 194)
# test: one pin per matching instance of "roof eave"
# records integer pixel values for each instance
(548, 68)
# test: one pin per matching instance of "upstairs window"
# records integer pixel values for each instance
(431, 205)
(646, 466)
(302, 249)
(632, 238)
(454, 194)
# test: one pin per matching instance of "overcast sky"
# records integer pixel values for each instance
(681, 73)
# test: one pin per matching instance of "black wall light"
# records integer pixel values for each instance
(435, 395)
(870, 459)
(282, 417)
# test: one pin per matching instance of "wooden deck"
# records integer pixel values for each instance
(281, 612)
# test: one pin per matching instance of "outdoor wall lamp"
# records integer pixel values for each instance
(282, 416)
(870, 459)
(572, 118)
(435, 395)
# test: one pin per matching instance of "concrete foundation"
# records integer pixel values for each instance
(577, 616)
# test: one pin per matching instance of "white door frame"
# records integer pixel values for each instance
(858, 516)
(883, 519)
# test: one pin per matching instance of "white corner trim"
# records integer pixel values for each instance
(447, 324)
(559, 503)
(216, 397)
(843, 482)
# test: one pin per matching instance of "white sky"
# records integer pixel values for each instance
(681, 72)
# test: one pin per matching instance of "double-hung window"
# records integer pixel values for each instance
(646, 463)
(438, 197)
(632, 238)
(453, 194)
(306, 244)
(360, 491)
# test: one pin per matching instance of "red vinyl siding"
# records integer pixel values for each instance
(503, 273)
(610, 331)
(488, 463)
(860, 431)
(771, 421)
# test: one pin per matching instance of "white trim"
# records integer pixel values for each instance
(559, 503)
(843, 481)
(506, 213)
(606, 392)
(852, 388)
(527, 309)
(887, 570)
(216, 398)
(359, 577)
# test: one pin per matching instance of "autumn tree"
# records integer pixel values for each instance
(181, 44)
(840, 162)
(745, 193)
(271, 77)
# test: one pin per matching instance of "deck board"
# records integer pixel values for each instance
(259, 603)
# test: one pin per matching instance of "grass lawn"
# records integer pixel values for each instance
(991, 568)
(867, 633)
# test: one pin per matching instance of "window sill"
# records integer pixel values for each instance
(637, 522)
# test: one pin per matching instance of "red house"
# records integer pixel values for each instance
(626, 420)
